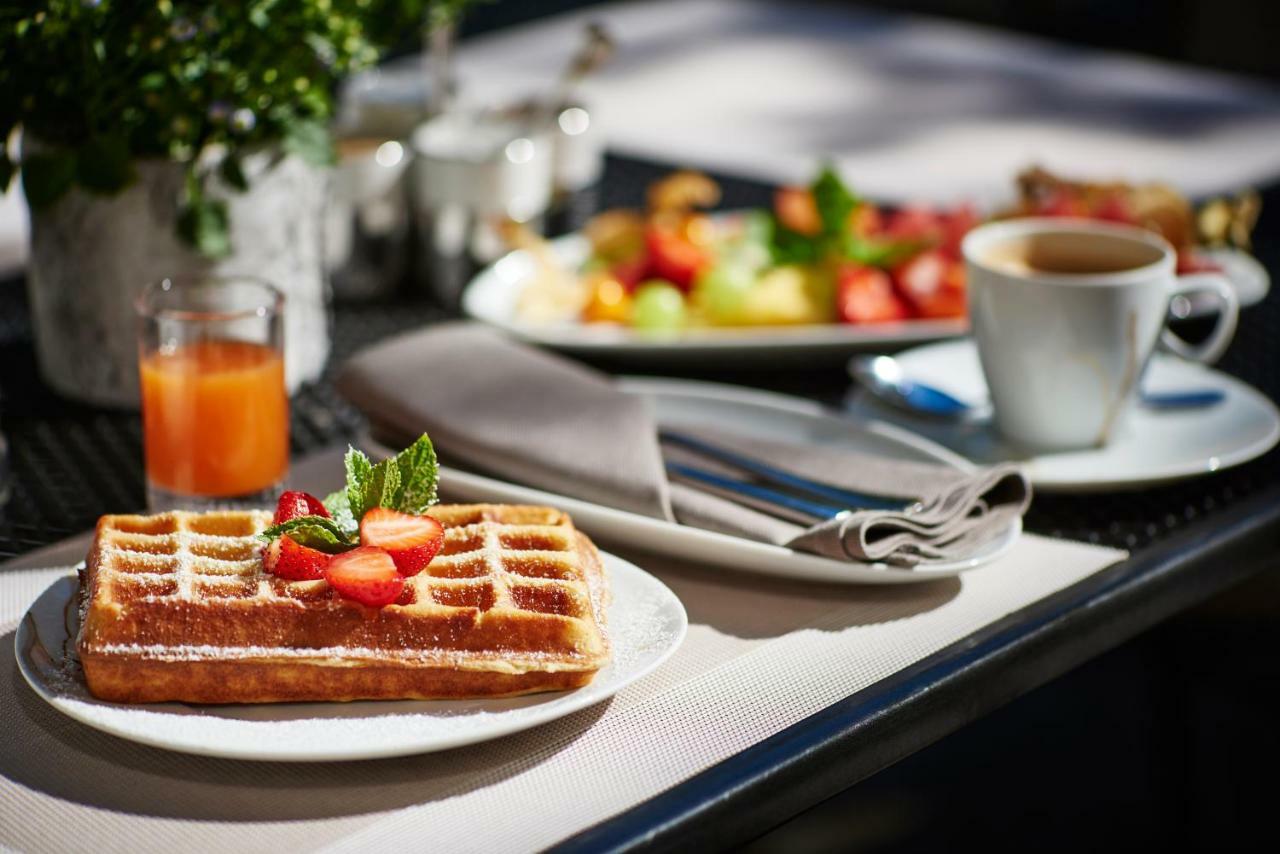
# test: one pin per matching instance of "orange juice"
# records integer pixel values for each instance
(215, 418)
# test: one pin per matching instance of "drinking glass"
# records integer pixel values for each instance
(215, 411)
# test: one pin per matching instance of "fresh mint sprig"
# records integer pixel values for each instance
(406, 482)
(835, 203)
(419, 476)
(315, 532)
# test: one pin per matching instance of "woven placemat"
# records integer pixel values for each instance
(760, 656)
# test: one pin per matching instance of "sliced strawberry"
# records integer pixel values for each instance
(866, 295)
(956, 223)
(293, 504)
(1115, 207)
(934, 284)
(367, 575)
(412, 541)
(674, 257)
(1062, 202)
(1190, 261)
(632, 271)
(287, 558)
(914, 222)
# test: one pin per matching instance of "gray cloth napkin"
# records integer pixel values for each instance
(947, 514)
(525, 415)
(515, 412)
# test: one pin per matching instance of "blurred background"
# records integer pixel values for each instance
(1233, 35)
(1159, 743)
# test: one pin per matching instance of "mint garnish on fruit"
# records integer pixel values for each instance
(405, 483)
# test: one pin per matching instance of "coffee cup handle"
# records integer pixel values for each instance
(1212, 349)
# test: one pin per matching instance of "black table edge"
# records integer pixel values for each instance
(753, 791)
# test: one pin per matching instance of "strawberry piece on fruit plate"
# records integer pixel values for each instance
(293, 504)
(366, 574)
(934, 283)
(674, 257)
(914, 222)
(958, 222)
(866, 295)
(412, 541)
(286, 558)
(1190, 261)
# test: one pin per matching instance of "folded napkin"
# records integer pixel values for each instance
(521, 414)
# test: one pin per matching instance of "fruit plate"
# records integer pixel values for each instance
(646, 625)
(492, 295)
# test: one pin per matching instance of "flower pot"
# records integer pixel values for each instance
(91, 255)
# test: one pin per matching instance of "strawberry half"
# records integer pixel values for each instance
(287, 558)
(367, 575)
(293, 504)
(412, 541)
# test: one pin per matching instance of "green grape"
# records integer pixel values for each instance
(757, 227)
(722, 290)
(658, 307)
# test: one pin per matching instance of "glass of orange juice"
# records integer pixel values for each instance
(215, 411)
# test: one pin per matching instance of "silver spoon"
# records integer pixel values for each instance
(885, 378)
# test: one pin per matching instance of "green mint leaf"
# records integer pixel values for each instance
(880, 253)
(419, 473)
(316, 532)
(359, 470)
(791, 247)
(382, 487)
(340, 509)
(834, 201)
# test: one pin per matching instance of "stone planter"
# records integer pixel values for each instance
(91, 256)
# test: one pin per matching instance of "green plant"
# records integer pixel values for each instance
(97, 85)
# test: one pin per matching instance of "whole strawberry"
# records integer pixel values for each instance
(294, 503)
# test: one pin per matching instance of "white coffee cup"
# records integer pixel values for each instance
(1066, 314)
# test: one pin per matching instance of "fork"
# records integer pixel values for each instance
(844, 499)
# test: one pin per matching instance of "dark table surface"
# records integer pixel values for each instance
(71, 463)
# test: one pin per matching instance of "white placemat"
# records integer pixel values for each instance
(759, 657)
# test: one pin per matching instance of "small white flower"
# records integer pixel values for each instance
(243, 120)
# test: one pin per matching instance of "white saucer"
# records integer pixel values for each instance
(646, 624)
(1149, 448)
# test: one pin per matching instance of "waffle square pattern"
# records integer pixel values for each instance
(178, 607)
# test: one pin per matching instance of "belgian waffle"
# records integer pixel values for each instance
(177, 606)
